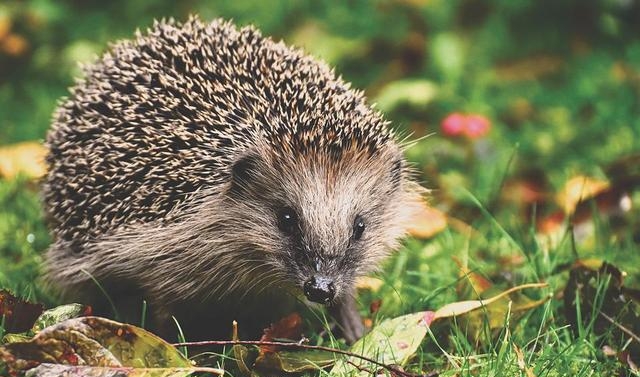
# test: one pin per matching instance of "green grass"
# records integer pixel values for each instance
(423, 277)
(420, 277)
(23, 237)
(562, 98)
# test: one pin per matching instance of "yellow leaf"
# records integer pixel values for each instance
(463, 307)
(428, 222)
(521, 362)
(5, 25)
(369, 283)
(26, 158)
(578, 189)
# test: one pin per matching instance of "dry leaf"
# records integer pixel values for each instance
(5, 25)
(369, 283)
(392, 342)
(93, 342)
(521, 363)
(18, 315)
(289, 327)
(463, 307)
(14, 45)
(27, 158)
(57, 370)
(428, 222)
(579, 189)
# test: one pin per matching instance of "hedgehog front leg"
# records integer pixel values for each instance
(349, 321)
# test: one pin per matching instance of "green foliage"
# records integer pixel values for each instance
(559, 80)
(23, 236)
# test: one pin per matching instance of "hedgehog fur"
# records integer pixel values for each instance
(172, 159)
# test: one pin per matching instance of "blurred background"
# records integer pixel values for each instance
(512, 101)
(524, 117)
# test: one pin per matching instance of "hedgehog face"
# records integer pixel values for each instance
(328, 221)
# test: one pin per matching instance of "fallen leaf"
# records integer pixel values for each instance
(369, 283)
(5, 25)
(393, 341)
(289, 327)
(579, 189)
(14, 44)
(375, 305)
(428, 222)
(476, 316)
(463, 307)
(529, 187)
(552, 223)
(57, 370)
(93, 342)
(19, 315)
(295, 361)
(26, 158)
(59, 314)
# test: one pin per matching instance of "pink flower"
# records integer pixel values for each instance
(477, 126)
(473, 126)
(454, 124)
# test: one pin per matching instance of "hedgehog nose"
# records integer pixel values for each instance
(319, 289)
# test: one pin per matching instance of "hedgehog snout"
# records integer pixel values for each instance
(320, 289)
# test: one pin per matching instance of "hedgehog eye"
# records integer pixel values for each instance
(358, 227)
(287, 220)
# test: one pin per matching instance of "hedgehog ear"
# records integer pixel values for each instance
(244, 171)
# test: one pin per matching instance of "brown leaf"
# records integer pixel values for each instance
(19, 315)
(552, 223)
(375, 306)
(14, 45)
(289, 327)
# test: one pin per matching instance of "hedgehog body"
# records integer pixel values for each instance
(200, 163)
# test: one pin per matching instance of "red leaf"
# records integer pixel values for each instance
(19, 314)
(289, 327)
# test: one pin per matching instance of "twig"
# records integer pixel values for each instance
(390, 368)
(621, 327)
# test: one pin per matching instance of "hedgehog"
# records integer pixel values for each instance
(220, 175)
